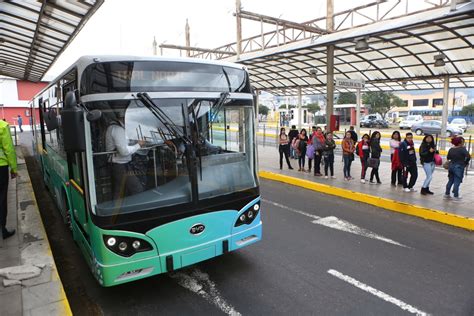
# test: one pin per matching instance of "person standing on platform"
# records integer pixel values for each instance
(328, 154)
(310, 149)
(427, 152)
(20, 123)
(408, 160)
(348, 148)
(354, 135)
(375, 153)
(292, 134)
(318, 143)
(284, 148)
(395, 159)
(302, 142)
(363, 150)
(458, 158)
(7, 161)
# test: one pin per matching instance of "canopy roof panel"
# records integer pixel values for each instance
(400, 55)
(34, 33)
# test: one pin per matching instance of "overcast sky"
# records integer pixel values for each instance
(128, 27)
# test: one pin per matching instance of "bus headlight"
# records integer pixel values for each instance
(249, 215)
(126, 246)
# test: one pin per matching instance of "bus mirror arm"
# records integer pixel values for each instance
(70, 101)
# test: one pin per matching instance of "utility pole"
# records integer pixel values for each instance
(188, 38)
(329, 65)
(155, 46)
(238, 8)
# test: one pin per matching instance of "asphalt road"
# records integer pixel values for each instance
(390, 264)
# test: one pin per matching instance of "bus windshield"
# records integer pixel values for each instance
(142, 162)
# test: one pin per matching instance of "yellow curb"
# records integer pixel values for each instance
(388, 204)
(62, 297)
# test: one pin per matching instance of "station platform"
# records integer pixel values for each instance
(29, 281)
(382, 195)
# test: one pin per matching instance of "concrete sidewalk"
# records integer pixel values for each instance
(29, 281)
(269, 161)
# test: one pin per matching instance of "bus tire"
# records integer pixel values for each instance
(418, 132)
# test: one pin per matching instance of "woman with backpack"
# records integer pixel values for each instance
(375, 153)
(458, 158)
(284, 148)
(328, 155)
(427, 151)
(363, 151)
(395, 159)
(300, 144)
(348, 149)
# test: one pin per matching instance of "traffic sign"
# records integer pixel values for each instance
(350, 83)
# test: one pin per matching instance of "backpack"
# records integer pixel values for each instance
(295, 144)
(357, 149)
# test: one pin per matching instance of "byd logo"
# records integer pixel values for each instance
(197, 229)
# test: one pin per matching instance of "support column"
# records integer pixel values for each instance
(188, 38)
(257, 100)
(358, 106)
(238, 7)
(300, 113)
(444, 117)
(155, 46)
(329, 64)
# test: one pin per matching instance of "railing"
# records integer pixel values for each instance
(14, 135)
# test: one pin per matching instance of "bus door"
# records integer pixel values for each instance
(78, 195)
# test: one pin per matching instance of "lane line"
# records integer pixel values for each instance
(290, 209)
(338, 224)
(384, 296)
(199, 283)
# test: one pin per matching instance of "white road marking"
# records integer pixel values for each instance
(339, 224)
(336, 223)
(379, 294)
(199, 282)
(290, 209)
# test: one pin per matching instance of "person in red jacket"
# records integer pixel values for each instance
(363, 151)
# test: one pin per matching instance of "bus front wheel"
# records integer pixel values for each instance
(419, 132)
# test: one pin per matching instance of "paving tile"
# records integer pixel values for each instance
(13, 306)
(41, 295)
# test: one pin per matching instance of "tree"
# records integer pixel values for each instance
(283, 106)
(347, 98)
(262, 109)
(313, 107)
(468, 110)
(381, 102)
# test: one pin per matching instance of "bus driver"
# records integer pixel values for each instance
(124, 180)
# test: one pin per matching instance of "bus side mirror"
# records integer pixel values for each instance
(72, 119)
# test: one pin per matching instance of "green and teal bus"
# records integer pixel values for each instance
(188, 190)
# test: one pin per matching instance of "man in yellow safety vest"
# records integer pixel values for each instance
(7, 160)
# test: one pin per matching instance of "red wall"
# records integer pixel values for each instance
(27, 89)
(10, 114)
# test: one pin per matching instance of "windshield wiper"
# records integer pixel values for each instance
(173, 129)
(218, 105)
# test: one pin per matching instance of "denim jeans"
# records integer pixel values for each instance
(429, 168)
(455, 175)
(347, 166)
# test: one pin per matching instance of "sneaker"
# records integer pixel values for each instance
(379, 182)
(457, 199)
(333, 177)
(351, 178)
(318, 174)
(362, 180)
(406, 190)
(394, 185)
(7, 233)
(371, 182)
(326, 177)
(447, 197)
(412, 190)
(290, 167)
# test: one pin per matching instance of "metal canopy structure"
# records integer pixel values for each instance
(34, 33)
(400, 55)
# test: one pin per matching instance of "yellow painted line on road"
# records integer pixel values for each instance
(388, 204)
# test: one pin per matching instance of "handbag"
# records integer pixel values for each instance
(446, 165)
(373, 162)
(438, 160)
(310, 151)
